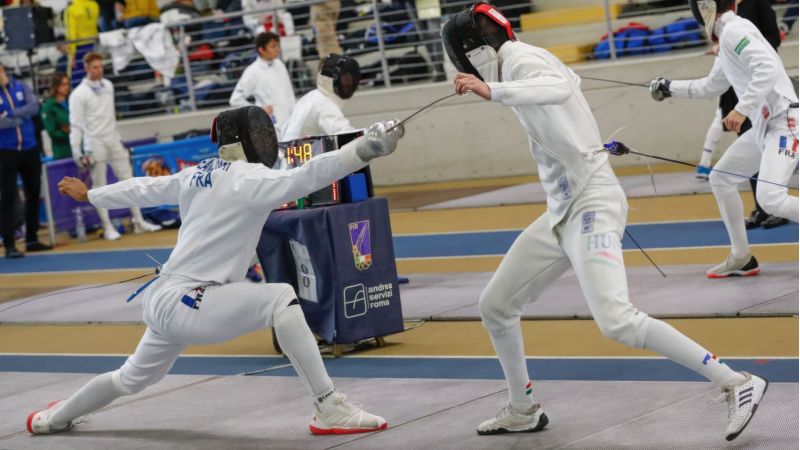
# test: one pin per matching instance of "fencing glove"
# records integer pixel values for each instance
(659, 89)
(378, 141)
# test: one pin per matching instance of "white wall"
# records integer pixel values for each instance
(469, 138)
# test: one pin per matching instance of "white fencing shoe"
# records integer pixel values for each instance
(144, 226)
(745, 267)
(39, 421)
(743, 401)
(111, 234)
(336, 415)
(509, 420)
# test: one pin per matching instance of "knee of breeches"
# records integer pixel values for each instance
(718, 180)
(129, 380)
(770, 198)
(493, 315)
(286, 297)
(629, 328)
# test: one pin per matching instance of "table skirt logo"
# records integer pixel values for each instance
(355, 301)
(362, 247)
(358, 299)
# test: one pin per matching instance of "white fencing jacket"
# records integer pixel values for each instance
(223, 206)
(317, 113)
(546, 97)
(92, 115)
(268, 82)
(747, 62)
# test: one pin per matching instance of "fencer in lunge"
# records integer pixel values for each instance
(747, 62)
(200, 296)
(583, 225)
(95, 141)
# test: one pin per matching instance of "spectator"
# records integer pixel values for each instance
(19, 155)
(323, 19)
(95, 142)
(266, 83)
(108, 14)
(137, 13)
(80, 19)
(320, 111)
(277, 21)
(55, 115)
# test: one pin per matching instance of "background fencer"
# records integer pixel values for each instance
(747, 62)
(319, 112)
(95, 142)
(583, 225)
(200, 296)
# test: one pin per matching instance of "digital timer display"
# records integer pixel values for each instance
(299, 153)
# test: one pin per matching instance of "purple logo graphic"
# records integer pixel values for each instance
(362, 248)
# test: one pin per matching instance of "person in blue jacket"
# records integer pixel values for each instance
(19, 154)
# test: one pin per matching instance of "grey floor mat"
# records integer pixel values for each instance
(273, 412)
(686, 292)
(678, 183)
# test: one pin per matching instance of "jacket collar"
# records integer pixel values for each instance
(325, 85)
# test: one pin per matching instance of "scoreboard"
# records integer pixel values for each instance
(300, 151)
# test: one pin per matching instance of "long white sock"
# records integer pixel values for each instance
(732, 212)
(95, 394)
(666, 340)
(136, 215)
(300, 346)
(705, 158)
(510, 350)
(105, 219)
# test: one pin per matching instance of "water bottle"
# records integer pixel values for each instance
(80, 227)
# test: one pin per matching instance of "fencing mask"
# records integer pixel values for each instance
(472, 37)
(705, 12)
(245, 134)
(345, 73)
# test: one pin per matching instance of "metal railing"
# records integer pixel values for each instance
(393, 44)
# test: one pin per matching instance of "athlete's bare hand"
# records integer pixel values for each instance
(470, 83)
(734, 120)
(74, 188)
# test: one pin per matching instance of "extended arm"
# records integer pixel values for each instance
(713, 85)
(138, 191)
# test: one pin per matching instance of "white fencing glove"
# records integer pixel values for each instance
(378, 141)
(659, 89)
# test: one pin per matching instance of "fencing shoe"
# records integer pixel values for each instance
(744, 267)
(509, 420)
(39, 421)
(337, 415)
(144, 226)
(743, 400)
(111, 234)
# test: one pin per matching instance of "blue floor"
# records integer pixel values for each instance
(479, 243)
(580, 369)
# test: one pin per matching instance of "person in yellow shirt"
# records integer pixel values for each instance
(136, 13)
(80, 21)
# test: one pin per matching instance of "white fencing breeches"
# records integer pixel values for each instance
(589, 241)
(774, 158)
(110, 152)
(216, 314)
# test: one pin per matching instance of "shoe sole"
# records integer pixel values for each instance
(321, 431)
(733, 436)
(543, 421)
(735, 273)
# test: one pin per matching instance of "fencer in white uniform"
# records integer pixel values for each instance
(267, 82)
(582, 228)
(95, 141)
(200, 295)
(319, 112)
(747, 62)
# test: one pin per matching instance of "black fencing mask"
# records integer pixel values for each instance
(246, 133)
(345, 73)
(472, 37)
